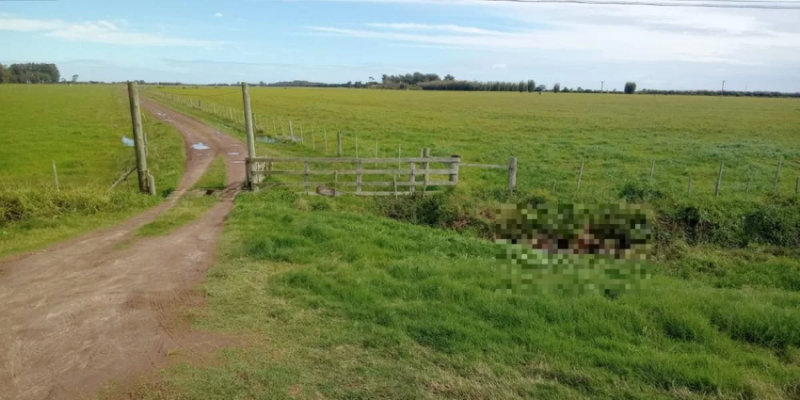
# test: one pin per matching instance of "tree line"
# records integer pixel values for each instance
(30, 73)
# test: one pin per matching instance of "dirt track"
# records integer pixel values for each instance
(88, 311)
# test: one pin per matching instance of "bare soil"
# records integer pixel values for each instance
(87, 311)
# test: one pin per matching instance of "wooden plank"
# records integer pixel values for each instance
(445, 160)
(487, 166)
(363, 172)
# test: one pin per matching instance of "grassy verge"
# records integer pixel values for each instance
(214, 178)
(341, 304)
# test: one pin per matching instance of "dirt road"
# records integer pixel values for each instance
(88, 311)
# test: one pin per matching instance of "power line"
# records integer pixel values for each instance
(742, 4)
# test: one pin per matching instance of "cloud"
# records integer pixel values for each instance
(218, 15)
(500, 66)
(442, 28)
(99, 31)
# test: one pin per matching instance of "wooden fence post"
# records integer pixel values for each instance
(580, 176)
(55, 175)
(512, 175)
(412, 178)
(719, 178)
(358, 176)
(305, 176)
(138, 137)
(248, 120)
(339, 143)
(777, 176)
(394, 181)
(454, 169)
(399, 154)
(652, 170)
(426, 153)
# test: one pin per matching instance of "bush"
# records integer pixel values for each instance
(452, 209)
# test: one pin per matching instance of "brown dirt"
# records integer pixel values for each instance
(85, 312)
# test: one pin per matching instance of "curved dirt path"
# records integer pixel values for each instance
(88, 311)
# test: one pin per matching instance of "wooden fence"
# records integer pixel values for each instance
(421, 172)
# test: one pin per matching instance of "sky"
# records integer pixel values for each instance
(334, 41)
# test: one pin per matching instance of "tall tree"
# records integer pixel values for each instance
(75, 78)
(449, 77)
(556, 88)
(531, 86)
(630, 87)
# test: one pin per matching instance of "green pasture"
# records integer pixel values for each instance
(80, 128)
(617, 137)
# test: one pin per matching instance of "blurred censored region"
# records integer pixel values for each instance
(573, 248)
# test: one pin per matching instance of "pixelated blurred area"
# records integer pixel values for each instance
(617, 230)
(573, 248)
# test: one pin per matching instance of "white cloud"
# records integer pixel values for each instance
(500, 66)
(100, 31)
(218, 15)
(442, 28)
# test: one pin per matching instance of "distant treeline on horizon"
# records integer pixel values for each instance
(43, 73)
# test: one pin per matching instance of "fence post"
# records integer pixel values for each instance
(151, 184)
(335, 182)
(248, 120)
(305, 176)
(426, 153)
(339, 143)
(55, 175)
(512, 175)
(358, 176)
(356, 135)
(719, 178)
(412, 178)
(394, 180)
(580, 176)
(652, 170)
(399, 154)
(138, 137)
(777, 176)
(454, 169)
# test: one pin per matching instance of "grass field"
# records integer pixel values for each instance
(617, 136)
(328, 299)
(331, 301)
(81, 128)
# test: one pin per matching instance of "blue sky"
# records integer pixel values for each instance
(349, 40)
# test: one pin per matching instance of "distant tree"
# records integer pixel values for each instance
(74, 78)
(449, 77)
(556, 88)
(4, 74)
(541, 88)
(349, 83)
(262, 83)
(531, 86)
(580, 89)
(630, 87)
(522, 86)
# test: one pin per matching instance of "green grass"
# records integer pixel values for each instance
(214, 178)
(617, 136)
(332, 303)
(81, 128)
(185, 211)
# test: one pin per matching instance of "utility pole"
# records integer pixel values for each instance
(138, 138)
(248, 123)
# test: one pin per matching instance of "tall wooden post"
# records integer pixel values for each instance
(248, 119)
(512, 175)
(138, 137)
